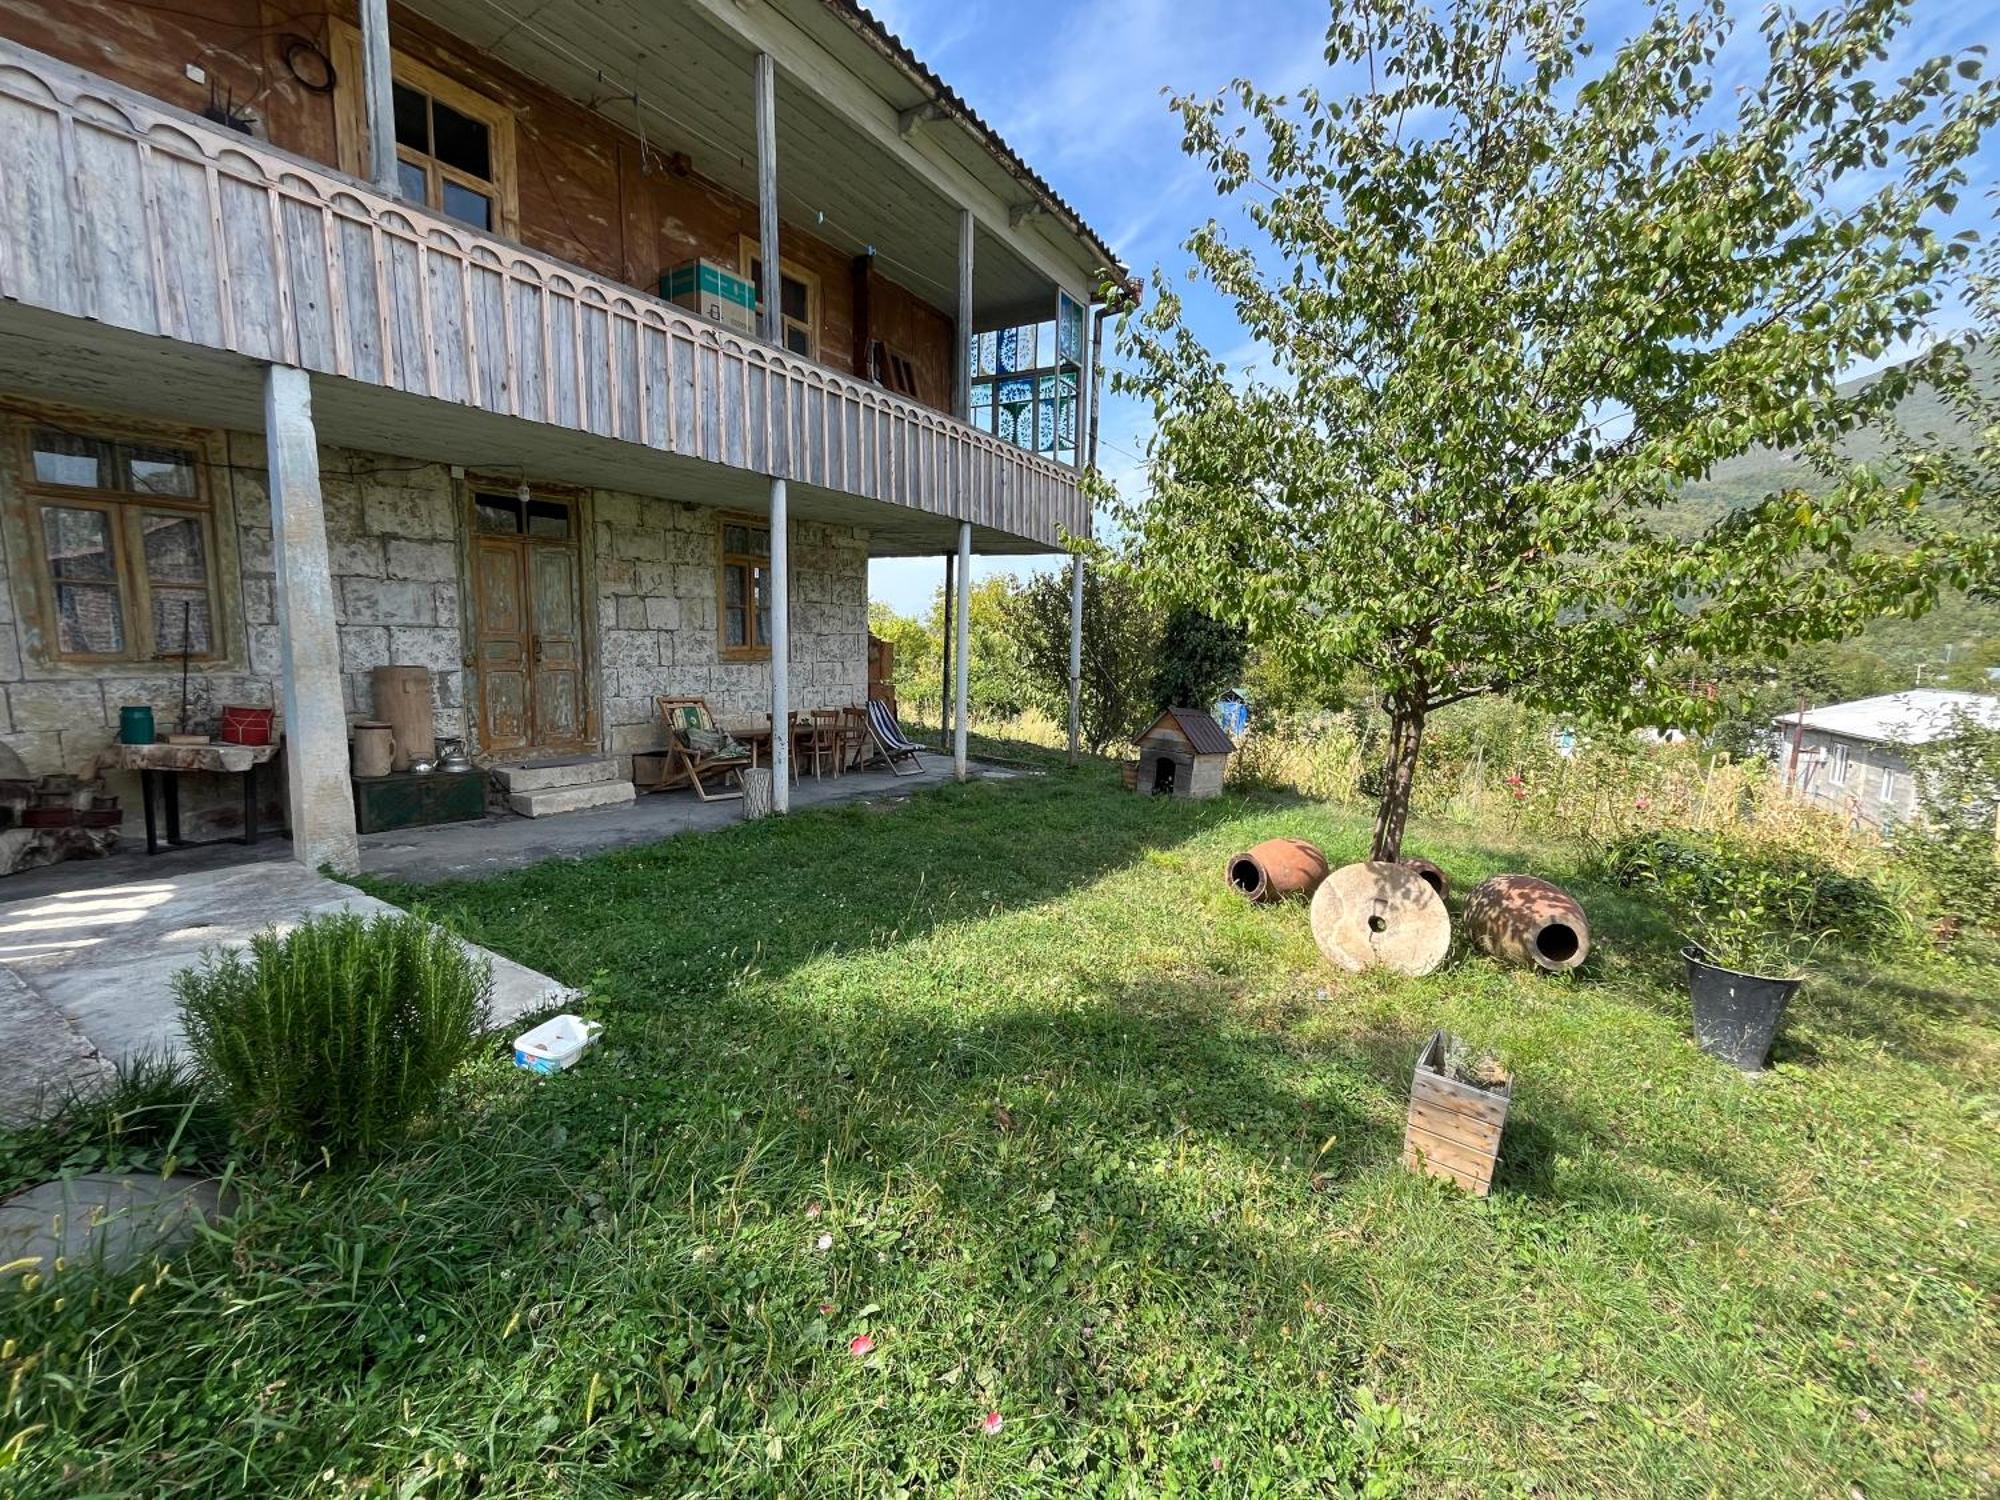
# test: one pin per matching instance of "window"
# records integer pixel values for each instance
(1837, 771)
(745, 612)
(895, 370)
(1889, 784)
(454, 147)
(1025, 381)
(798, 299)
(124, 537)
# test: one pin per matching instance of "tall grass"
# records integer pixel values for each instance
(329, 1040)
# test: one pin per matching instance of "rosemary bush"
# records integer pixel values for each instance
(329, 1040)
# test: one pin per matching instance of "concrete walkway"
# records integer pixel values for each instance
(85, 973)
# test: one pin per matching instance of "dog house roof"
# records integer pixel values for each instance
(1203, 734)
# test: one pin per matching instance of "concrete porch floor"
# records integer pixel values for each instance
(88, 948)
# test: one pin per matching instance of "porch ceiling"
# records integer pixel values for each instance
(692, 83)
(50, 357)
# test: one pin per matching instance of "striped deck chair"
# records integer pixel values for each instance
(888, 741)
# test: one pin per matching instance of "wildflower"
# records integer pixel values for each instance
(990, 1423)
(1642, 803)
(826, 1309)
(824, 1242)
(813, 1210)
(860, 1344)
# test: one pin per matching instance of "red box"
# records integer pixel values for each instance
(247, 726)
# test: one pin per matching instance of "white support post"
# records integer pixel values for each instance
(781, 649)
(378, 96)
(770, 289)
(1075, 657)
(962, 385)
(964, 647)
(316, 762)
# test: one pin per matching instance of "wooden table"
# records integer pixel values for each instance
(162, 766)
(754, 731)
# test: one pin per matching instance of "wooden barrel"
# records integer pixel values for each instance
(403, 702)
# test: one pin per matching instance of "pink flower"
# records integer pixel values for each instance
(860, 1344)
(990, 1423)
(826, 1309)
(1643, 803)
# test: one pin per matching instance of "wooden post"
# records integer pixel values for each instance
(781, 650)
(944, 644)
(964, 648)
(1075, 657)
(961, 385)
(378, 96)
(316, 765)
(770, 290)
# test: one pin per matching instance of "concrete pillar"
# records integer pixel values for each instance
(1075, 656)
(944, 650)
(378, 95)
(316, 766)
(961, 385)
(964, 647)
(771, 323)
(781, 649)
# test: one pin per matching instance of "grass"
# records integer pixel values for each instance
(1005, 1080)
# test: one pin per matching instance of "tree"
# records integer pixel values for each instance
(919, 672)
(1120, 643)
(1510, 309)
(1200, 658)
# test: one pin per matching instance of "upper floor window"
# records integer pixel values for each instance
(1025, 379)
(798, 301)
(746, 584)
(454, 146)
(125, 546)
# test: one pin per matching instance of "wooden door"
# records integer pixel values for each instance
(528, 625)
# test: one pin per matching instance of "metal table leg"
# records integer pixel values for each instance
(146, 779)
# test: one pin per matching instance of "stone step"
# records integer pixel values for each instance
(568, 770)
(562, 799)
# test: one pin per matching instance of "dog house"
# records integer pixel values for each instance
(1184, 754)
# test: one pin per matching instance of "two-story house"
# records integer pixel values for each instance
(580, 351)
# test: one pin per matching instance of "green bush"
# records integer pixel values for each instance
(1797, 889)
(329, 1040)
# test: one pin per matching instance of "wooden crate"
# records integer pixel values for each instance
(1455, 1128)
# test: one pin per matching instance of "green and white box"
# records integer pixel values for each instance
(711, 290)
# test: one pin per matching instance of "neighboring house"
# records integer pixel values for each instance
(363, 311)
(1848, 757)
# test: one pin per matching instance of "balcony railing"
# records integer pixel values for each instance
(119, 208)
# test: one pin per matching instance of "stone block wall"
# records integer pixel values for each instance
(658, 616)
(394, 536)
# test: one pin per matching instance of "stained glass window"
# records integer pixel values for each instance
(1033, 402)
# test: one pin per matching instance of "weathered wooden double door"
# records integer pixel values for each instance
(528, 639)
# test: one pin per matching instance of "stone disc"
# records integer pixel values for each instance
(1376, 913)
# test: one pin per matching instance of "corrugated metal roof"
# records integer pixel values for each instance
(866, 24)
(1915, 717)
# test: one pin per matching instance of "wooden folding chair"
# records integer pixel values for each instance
(704, 757)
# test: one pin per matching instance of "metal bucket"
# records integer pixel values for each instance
(1736, 1016)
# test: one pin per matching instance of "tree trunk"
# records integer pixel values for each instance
(1399, 772)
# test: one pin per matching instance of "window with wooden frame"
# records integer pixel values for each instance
(125, 545)
(798, 299)
(895, 371)
(454, 146)
(744, 601)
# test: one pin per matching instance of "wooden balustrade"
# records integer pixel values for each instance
(119, 208)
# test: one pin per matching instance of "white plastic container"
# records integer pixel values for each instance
(556, 1044)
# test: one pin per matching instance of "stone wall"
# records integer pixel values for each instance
(394, 537)
(657, 616)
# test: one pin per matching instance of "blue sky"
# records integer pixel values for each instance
(1077, 89)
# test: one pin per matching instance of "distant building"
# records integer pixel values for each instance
(1848, 757)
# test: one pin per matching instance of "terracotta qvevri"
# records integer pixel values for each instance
(1275, 869)
(1526, 920)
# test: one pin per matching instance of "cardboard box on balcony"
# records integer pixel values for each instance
(709, 289)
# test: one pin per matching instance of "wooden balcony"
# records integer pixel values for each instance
(120, 209)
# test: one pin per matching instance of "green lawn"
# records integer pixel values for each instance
(1005, 1079)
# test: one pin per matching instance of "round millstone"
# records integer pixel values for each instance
(1377, 913)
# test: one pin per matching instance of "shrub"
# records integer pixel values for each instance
(1707, 875)
(329, 1040)
(1950, 844)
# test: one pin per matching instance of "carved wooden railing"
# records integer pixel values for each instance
(116, 207)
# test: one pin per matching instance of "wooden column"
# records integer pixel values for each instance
(378, 96)
(316, 767)
(944, 645)
(770, 291)
(781, 649)
(961, 386)
(964, 648)
(1075, 656)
